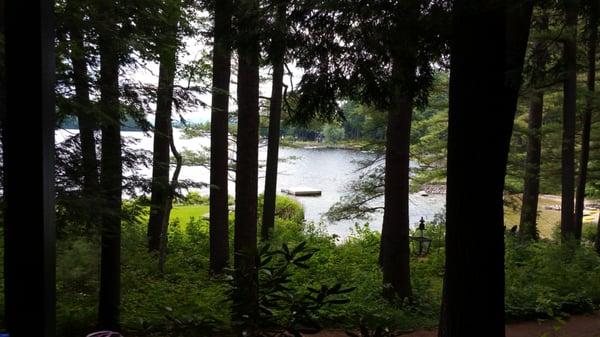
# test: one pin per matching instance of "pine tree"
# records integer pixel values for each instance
(167, 53)
(245, 292)
(531, 185)
(219, 212)
(85, 114)
(278, 48)
(473, 295)
(567, 220)
(111, 172)
(592, 42)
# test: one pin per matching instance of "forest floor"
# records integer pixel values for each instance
(575, 326)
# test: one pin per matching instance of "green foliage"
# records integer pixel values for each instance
(590, 232)
(284, 310)
(542, 279)
(286, 209)
(545, 279)
(332, 133)
(191, 198)
(151, 302)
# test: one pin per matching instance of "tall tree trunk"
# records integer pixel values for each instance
(246, 186)
(481, 116)
(219, 213)
(164, 237)
(531, 185)
(394, 254)
(567, 225)
(277, 56)
(587, 118)
(162, 127)
(87, 121)
(111, 171)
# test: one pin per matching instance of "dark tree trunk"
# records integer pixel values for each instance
(587, 118)
(567, 223)
(85, 115)
(162, 129)
(28, 158)
(111, 171)
(394, 254)
(531, 186)
(219, 213)
(277, 56)
(482, 110)
(245, 298)
(164, 237)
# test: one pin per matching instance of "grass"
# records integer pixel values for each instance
(185, 212)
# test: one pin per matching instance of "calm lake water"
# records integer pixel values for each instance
(329, 170)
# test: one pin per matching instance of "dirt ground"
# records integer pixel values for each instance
(576, 326)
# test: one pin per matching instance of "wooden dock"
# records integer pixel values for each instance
(302, 191)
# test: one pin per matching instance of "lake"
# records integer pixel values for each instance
(326, 169)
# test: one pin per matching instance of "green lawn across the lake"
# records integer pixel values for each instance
(185, 212)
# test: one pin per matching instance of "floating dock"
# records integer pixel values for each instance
(302, 191)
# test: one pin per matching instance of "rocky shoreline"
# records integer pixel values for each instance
(434, 188)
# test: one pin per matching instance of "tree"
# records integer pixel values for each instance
(110, 163)
(394, 255)
(587, 115)
(385, 62)
(219, 212)
(164, 235)
(278, 48)
(245, 292)
(531, 185)
(567, 220)
(168, 43)
(84, 111)
(473, 295)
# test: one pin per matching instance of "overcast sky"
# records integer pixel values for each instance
(193, 51)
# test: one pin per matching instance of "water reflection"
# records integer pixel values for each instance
(329, 170)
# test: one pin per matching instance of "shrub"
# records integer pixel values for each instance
(191, 198)
(286, 209)
(546, 278)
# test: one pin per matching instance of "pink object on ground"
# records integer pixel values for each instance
(105, 333)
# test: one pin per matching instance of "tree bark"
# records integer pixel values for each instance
(481, 116)
(245, 297)
(219, 212)
(567, 224)
(162, 128)
(394, 255)
(111, 171)
(164, 237)
(277, 56)
(85, 115)
(531, 186)
(587, 118)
